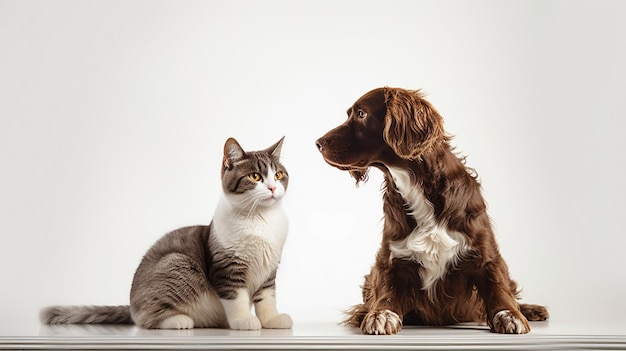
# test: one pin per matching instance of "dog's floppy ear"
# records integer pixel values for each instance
(412, 125)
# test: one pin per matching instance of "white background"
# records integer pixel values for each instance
(114, 114)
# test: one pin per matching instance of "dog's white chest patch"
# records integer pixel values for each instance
(430, 244)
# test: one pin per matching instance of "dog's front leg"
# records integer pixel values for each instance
(494, 286)
(383, 315)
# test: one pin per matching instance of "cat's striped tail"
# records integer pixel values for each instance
(86, 315)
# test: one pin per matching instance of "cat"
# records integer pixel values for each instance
(210, 276)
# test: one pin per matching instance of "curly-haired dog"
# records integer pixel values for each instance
(439, 262)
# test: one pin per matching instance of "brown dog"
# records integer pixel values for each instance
(439, 263)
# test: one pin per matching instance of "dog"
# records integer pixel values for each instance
(439, 262)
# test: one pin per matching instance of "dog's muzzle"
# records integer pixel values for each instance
(320, 143)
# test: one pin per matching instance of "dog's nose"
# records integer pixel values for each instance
(320, 143)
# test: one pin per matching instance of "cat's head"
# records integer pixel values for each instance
(253, 178)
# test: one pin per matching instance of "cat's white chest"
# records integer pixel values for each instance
(268, 224)
(257, 238)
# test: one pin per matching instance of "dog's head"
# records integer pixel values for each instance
(382, 124)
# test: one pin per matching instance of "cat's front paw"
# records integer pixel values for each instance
(280, 321)
(245, 323)
(179, 321)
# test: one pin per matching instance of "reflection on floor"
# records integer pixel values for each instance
(320, 335)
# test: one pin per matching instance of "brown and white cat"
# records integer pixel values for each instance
(209, 276)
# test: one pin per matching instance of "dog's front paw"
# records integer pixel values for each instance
(383, 322)
(245, 323)
(510, 322)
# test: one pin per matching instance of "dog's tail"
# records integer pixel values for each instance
(534, 312)
(86, 315)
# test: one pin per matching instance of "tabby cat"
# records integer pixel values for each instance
(210, 276)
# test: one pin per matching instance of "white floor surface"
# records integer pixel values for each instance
(551, 335)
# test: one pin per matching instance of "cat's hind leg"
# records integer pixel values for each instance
(161, 293)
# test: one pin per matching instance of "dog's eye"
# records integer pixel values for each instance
(362, 114)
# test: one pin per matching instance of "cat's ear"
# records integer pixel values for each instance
(275, 149)
(232, 152)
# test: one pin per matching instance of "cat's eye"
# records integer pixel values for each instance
(255, 177)
(279, 175)
(362, 114)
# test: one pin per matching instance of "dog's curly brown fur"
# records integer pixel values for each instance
(397, 130)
